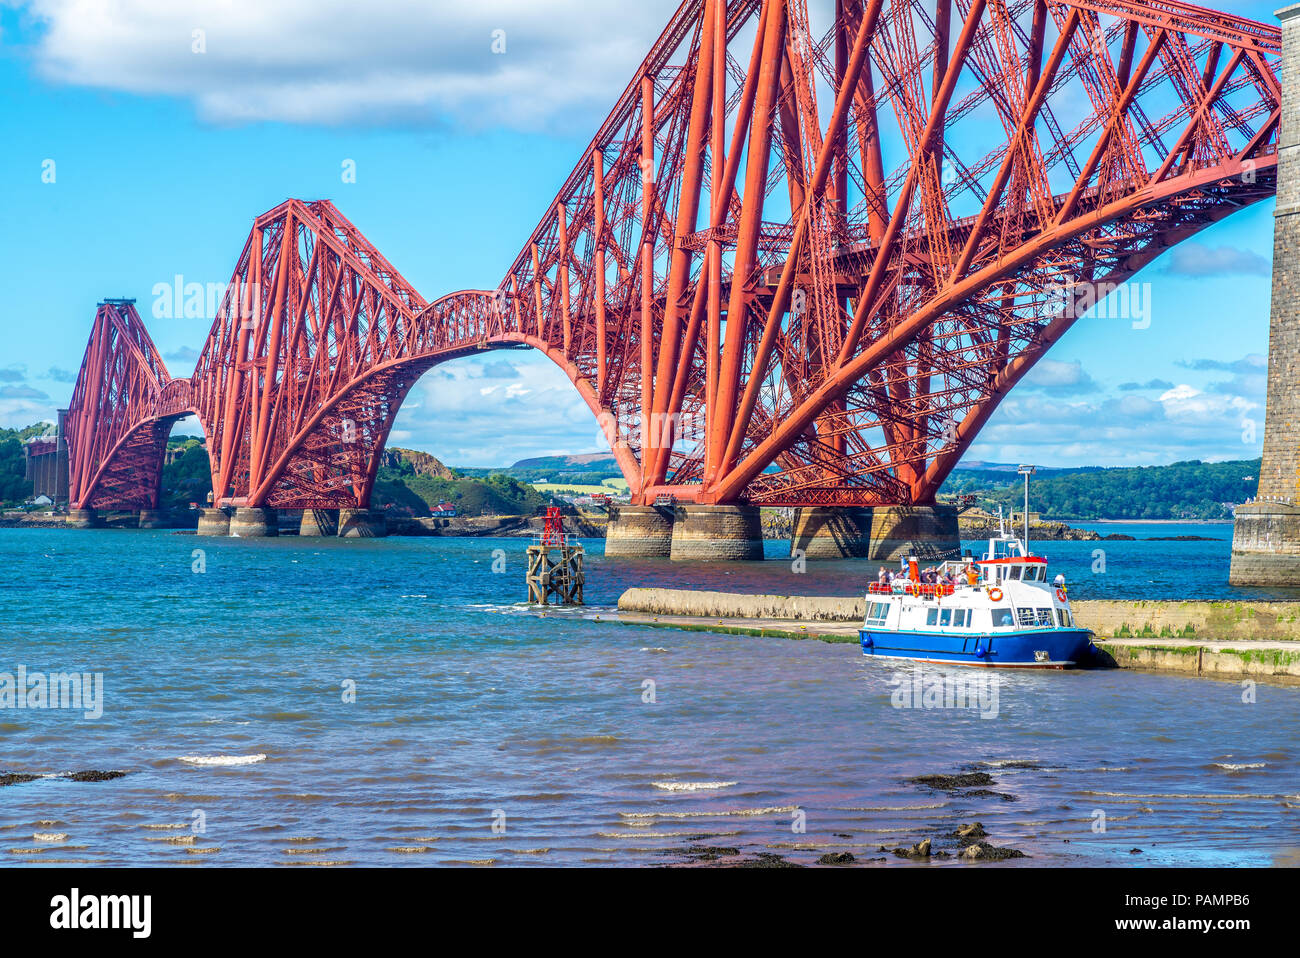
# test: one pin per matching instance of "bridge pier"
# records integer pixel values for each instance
(361, 524)
(880, 533)
(928, 532)
(826, 532)
(732, 533)
(214, 522)
(153, 519)
(1265, 544)
(251, 522)
(1266, 532)
(319, 522)
(83, 519)
(639, 531)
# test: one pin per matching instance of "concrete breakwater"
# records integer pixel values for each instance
(1222, 639)
(715, 605)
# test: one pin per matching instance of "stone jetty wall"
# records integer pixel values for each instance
(1214, 639)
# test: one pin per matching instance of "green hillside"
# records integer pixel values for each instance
(580, 470)
(412, 483)
(1183, 490)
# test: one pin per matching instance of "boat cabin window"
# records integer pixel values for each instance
(948, 618)
(1064, 619)
(877, 612)
(1002, 619)
(1034, 618)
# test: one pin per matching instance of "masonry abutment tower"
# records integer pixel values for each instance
(1266, 532)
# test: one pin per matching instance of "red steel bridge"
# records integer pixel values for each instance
(801, 262)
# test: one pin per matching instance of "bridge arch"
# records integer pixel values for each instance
(123, 407)
(335, 452)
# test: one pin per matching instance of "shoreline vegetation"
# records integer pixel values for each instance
(591, 524)
(412, 484)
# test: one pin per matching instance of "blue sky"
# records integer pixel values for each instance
(163, 158)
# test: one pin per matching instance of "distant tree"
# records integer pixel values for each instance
(14, 488)
(1183, 490)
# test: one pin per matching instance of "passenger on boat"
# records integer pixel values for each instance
(883, 577)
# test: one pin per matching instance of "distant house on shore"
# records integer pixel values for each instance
(444, 510)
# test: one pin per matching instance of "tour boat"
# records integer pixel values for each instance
(999, 611)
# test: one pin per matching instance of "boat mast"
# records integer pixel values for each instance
(1027, 471)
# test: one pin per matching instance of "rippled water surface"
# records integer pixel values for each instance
(224, 703)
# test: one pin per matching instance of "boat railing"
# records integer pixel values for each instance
(911, 588)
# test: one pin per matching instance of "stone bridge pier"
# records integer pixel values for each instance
(735, 532)
(1266, 532)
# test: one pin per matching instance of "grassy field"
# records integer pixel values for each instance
(607, 486)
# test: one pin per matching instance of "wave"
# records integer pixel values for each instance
(690, 786)
(677, 834)
(1237, 767)
(772, 810)
(1214, 797)
(223, 760)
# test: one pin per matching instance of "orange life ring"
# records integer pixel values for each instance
(995, 595)
(1060, 594)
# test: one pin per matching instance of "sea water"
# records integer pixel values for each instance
(318, 701)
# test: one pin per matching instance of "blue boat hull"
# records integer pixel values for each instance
(1025, 649)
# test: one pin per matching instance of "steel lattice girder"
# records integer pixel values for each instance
(116, 436)
(800, 263)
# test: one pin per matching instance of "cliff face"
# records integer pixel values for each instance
(423, 463)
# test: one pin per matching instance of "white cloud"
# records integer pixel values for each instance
(18, 413)
(331, 62)
(1128, 429)
(1054, 376)
(1194, 259)
(481, 411)
(1179, 393)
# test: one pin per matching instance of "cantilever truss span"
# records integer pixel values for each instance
(801, 262)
